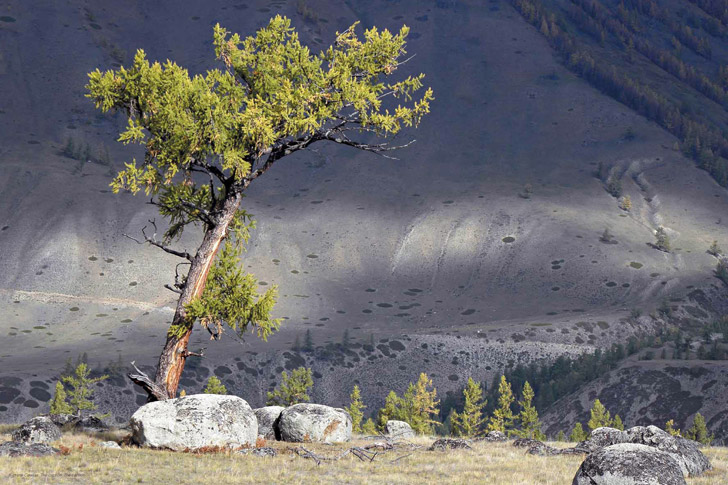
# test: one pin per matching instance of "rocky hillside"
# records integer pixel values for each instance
(445, 251)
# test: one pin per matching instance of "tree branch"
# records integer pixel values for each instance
(153, 241)
(154, 391)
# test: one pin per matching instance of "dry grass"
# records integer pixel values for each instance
(485, 463)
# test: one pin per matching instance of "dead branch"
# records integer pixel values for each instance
(143, 380)
(153, 241)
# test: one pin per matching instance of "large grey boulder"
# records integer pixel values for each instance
(692, 461)
(14, 448)
(38, 430)
(686, 452)
(399, 430)
(314, 422)
(195, 421)
(629, 464)
(267, 421)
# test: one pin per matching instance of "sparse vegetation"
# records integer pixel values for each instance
(625, 203)
(662, 240)
(418, 406)
(470, 422)
(606, 237)
(715, 250)
(502, 418)
(214, 386)
(80, 395)
(292, 389)
(356, 408)
(699, 431)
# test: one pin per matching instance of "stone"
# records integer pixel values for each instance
(262, 451)
(195, 421)
(314, 423)
(38, 430)
(629, 464)
(686, 452)
(62, 420)
(267, 421)
(493, 437)
(601, 437)
(14, 448)
(112, 445)
(399, 430)
(90, 424)
(444, 444)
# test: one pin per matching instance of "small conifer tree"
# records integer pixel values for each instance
(561, 436)
(721, 270)
(617, 423)
(662, 240)
(600, 417)
(80, 393)
(391, 410)
(715, 250)
(606, 237)
(58, 403)
(421, 405)
(670, 428)
(502, 419)
(214, 386)
(578, 434)
(355, 410)
(308, 342)
(699, 431)
(470, 421)
(292, 389)
(625, 203)
(369, 427)
(69, 151)
(530, 426)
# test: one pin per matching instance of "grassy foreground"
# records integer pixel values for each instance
(485, 463)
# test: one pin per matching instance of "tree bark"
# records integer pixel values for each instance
(173, 357)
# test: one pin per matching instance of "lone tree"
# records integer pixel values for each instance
(208, 137)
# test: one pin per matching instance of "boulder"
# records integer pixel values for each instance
(314, 422)
(14, 448)
(629, 464)
(536, 447)
(38, 430)
(263, 451)
(601, 437)
(62, 420)
(112, 445)
(692, 461)
(267, 421)
(90, 424)
(399, 430)
(444, 444)
(195, 421)
(493, 436)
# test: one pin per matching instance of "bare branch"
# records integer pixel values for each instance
(153, 241)
(141, 379)
(175, 290)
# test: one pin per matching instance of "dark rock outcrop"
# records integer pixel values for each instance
(38, 430)
(629, 464)
(449, 444)
(14, 448)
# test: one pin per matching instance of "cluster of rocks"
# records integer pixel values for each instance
(210, 420)
(34, 437)
(642, 454)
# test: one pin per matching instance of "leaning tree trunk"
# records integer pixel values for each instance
(173, 357)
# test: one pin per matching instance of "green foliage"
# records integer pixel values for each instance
(292, 389)
(58, 403)
(80, 393)
(214, 386)
(418, 406)
(369, 428)
(529, 424)
(502, 418)
(469, 423)
(230, 296)
(561, 436)
(355, 410)
(600, 417)
(617, 423)
(699, 431)
(614, 186)
(578, 434)
(662, 240)
(715, 250)
(670, 428)
(271, 88)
